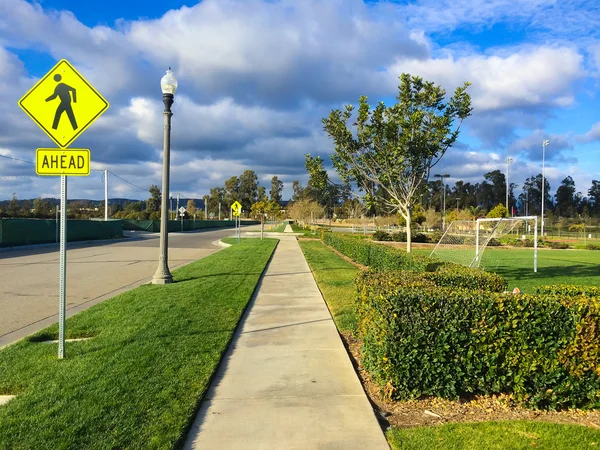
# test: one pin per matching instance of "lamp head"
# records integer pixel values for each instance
(168, 83)
(545, 142)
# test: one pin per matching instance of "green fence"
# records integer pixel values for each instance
(38, 231)
(178, 225)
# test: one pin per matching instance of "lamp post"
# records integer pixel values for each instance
(168, 85)
(545, 142)
(508, 162)
(441, 177)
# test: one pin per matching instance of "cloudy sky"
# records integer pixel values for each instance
(256, 78)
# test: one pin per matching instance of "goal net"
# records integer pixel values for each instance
(465, 241)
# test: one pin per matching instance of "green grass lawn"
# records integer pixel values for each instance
(137, 384)
(509, 435)
(307, 232)
(554, 267)
(335, 277)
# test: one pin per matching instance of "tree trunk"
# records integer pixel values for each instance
(408, 218)
(262, 227)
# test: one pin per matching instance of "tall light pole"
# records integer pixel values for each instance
(168, 85)
(508, 162)
(545, 142)
(441, 177)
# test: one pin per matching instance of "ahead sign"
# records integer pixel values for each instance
(72, 162)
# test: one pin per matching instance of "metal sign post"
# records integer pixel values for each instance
(52, 104)
(62, 309)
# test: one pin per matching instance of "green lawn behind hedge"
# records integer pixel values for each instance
(138, 382)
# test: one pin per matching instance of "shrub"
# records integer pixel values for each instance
(592, 247)
(423, 339)
(377, 256)
(569, 290)
(380, 235)
(493, 242)
(455, 276)
(559, 245)
(420, 238)
(400, 236)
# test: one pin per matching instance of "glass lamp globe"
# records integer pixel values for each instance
(168, 83)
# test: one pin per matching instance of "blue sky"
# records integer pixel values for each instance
(256, 77)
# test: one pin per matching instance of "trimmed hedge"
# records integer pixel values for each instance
(569, 290)
(377, 256)
(421, 338)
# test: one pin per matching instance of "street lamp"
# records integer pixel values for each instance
(168, 85)
(544, 144)
(508, 162)
(441, 177)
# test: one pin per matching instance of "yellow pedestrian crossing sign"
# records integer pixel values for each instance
(236, 208)
(63, 103)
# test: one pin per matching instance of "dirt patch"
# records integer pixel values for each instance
(435, 411)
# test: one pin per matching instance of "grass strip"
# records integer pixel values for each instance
(513, 435)
(138, 382)
(335, 278)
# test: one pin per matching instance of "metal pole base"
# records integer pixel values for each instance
(162, 279)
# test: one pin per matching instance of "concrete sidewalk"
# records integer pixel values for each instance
(286, 381)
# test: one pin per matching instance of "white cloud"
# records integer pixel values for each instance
(591, 136)
(525, 77)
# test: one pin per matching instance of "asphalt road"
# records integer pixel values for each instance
(29, 277)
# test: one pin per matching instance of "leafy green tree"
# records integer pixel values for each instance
(232, 191)
(498, 212)
(13, 208)
(154, 202)
(276, 189)
(298, 191)
(248, 189)
(190, 208)
(566, 202)
(41, 208)
(395, 147)
(261, 194)
(594, 197)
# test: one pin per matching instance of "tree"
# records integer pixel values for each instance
(276, 189)
(13, 206)
(498, 212)
(298, 191)
(566, 202)
(190, 208)
(41, 208)
(594, 197)
(248, 189)
(154, 202)
(232, 191)
(304, 210)
(395, 147)
(261, 194)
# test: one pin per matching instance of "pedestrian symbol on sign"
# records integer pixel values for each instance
(63, 91)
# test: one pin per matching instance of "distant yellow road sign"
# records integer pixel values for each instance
(57, 161)
(236, 208)
(63, 103)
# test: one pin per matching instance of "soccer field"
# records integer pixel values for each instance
(554, 267)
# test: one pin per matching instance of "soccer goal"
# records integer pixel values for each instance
(464, 241)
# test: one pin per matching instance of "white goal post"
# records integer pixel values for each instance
(465, 241)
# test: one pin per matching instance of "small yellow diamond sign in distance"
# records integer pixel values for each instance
(58, 161)
(63, 103)
(236, 208)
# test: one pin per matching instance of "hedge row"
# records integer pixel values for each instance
(377, 256)
(569, 290)
(383, 258)
(423, 336)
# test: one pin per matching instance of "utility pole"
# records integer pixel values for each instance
(177, 207)
(508, 162)
(545, 142)
(105, 194)
(441, 177)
